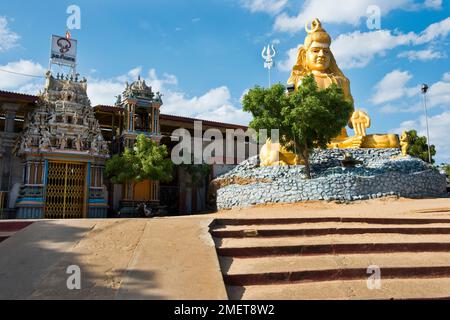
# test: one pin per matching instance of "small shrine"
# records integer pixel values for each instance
(64, 155)
(141, 109)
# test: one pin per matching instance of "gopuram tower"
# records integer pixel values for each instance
(140, 108)
(64, 155)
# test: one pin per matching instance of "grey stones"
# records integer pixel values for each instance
(383, 172)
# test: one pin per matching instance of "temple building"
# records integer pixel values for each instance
(53, 149)
(63, 155)
(138, 113)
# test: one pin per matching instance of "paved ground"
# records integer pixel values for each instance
(119, 259)
(175, 258)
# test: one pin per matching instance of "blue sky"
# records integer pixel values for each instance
(203, 55)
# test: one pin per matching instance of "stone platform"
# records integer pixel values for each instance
(383, 172)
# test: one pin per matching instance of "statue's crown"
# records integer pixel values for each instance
(316, 33)
(316, 26)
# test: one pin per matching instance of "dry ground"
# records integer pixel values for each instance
(163, 258)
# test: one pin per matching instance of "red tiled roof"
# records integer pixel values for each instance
(106, 108)
(170, 117)
(163, 116)
(16, 95)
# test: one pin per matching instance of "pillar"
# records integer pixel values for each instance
(9, 138)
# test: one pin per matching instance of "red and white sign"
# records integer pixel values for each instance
(64, 51)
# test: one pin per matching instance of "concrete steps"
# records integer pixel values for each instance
(398, 289)
(9, 228)
(362, 238)
(284, 221)
(327, 258)
(236, 266)
(231, 231)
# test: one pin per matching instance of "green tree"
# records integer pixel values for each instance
(446, 168)
(147, 160)
(307, 118)
(418, 147)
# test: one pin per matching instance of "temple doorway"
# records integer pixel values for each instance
(66, 190)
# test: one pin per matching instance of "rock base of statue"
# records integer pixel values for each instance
(382, 172)
(273, 154)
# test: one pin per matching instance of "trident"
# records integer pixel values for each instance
(268, 54)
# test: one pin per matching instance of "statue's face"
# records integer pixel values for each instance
(318, 57)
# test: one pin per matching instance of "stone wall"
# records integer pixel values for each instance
(383, 172)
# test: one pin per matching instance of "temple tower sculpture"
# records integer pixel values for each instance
(64, 155)
(141, 109)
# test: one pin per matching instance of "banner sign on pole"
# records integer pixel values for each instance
(64, 51)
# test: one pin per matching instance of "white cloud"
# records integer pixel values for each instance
(227, 114)
(244, 93)
(389, 108)
(423, 55)
(267, 6)
(357, 49)
(290, 61)
(216, 104)
(103, 91)
(434, 31)
(439, 94)
(433, 4)
(20, 83)
(439, 130)
(213, 105)
(176, 102)
(406, 126)
(160, 84)
(335, 11)
(400, 108)
(392, 87)
(446, 76)
(134, 73)
(8, 39)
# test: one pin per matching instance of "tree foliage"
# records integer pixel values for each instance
(446, 168)
(307, 118)
(418, 146)
(147, 160)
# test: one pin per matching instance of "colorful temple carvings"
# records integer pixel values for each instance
(140, 109)
(64, 153)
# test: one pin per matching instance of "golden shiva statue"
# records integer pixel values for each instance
(316, 58)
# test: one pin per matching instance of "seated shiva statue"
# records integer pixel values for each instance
(315, 57)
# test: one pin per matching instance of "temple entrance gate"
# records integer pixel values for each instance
(64, 155)
(66, 190)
